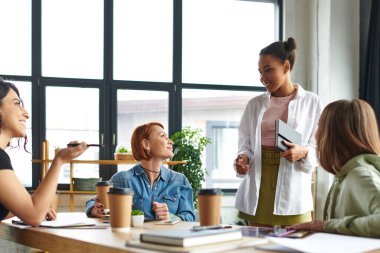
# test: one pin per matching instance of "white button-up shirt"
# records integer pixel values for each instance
(293, 190)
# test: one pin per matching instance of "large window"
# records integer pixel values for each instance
(66, 121)
(72, 38)
(222, 40)
(218, 114)
(97, 68)
(15, 49)
(143, 40)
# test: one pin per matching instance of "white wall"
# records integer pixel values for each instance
(327, 32)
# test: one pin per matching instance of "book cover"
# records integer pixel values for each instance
(187, 237)
(209, 248)
(283, 132)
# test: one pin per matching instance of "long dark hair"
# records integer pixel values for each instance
(4, 90)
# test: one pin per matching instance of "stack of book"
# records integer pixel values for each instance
(186, 240)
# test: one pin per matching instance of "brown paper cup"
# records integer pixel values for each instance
(101, 192)
(120, 201)
(209, 202)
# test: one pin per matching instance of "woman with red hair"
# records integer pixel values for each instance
(162, 194)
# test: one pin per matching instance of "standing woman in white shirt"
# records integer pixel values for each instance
(276, 186)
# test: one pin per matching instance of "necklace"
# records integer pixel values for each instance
(150, 170)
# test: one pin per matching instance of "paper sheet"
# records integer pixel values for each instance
(329, 243)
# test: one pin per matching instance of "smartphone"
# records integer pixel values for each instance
(167, 222)
(298, 234)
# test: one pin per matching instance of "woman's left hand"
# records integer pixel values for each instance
(161, 210)
(51, 214)
(316, 226)
(295, 152)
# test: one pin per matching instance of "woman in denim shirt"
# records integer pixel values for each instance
(162, 194)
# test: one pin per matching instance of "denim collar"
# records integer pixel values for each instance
(164, 173)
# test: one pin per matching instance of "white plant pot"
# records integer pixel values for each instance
(137, 220)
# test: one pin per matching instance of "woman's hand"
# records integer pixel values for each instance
(316, 226)
(295, 152)
(51, 214)
(161, 210)
(241, 164)
(98, 210)
(70, 153)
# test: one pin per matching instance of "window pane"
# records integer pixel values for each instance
(15, 50)
(21, 160)
(222, 40)
(137, 107)
(143, 40)
(72, 38)
(66, 122)
(218, 114)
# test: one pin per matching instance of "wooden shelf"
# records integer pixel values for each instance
(107, 162)
(77, 192)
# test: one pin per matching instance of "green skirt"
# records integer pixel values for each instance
(265, 207)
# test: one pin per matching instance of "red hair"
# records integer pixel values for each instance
(140, 133)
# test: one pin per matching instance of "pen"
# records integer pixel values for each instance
(200, 228)
(70, 145)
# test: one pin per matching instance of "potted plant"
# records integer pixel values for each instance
(122, 153)
(188, 146)
(137, 218)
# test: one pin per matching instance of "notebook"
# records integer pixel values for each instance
(62, 223)
(187, 237)
(285, 133)
(209, 248)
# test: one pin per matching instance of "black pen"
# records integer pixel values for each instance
(200, 228)
(70, 145)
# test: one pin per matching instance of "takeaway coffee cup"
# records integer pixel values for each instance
(210, 202)
(102, 188)
(120, 201)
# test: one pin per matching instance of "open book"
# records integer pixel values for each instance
(187, 237)
(61, 223)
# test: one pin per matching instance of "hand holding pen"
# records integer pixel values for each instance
(71, 145)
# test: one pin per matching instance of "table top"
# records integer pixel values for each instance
(83, 239)
(103, 240)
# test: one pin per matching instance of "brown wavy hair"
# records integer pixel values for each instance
(346, 129)
(140, 133)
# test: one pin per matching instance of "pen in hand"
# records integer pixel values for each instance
(70, 145)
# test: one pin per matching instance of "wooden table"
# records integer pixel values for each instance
(82, 239)
(89, 240)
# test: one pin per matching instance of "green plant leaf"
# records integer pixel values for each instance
(188, 146)
(137, 212)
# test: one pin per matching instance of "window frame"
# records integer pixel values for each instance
(108, 87)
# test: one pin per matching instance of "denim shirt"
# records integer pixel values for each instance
(171, 188)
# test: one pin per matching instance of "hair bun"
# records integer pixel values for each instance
(290, 44)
